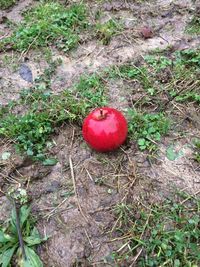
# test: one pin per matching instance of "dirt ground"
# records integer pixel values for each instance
(74, 199)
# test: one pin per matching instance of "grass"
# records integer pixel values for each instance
(105, 31)
(4, 4)
(44, 111)
(194, 26)
(181, 69)
(49, 23)
(31, 131)
(197, 150)
(131, 72)
(165, 234)
(175, 75)
(91, 88)
(162, 78)
(158, 63)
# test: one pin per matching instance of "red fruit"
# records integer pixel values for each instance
(105, 129)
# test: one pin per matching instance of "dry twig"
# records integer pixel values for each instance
(75, 190)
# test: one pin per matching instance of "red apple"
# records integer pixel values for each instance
(105, 129)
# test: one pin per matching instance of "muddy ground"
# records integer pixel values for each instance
(75, 204)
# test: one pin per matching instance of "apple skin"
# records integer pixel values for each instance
(105, 129)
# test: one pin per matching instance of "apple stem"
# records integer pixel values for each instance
(100, 114)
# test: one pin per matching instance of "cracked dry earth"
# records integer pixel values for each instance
(79, 223)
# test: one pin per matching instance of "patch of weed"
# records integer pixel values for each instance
(29, 131)
(158, 63)
(166, 234)
(10, 61)
(107, 30)
(194, 26)
(4, 110)
(188, 97)
(6, 3)
(177, 75)
(128, 72)
(131, 72)
(41, 89)
(188, 57)
(197, 150)
(91, 88)
(147, 129)
(9, 242)
(45, 111)
(49, 23)
(162, 76)
(186, 76)
(18, 235)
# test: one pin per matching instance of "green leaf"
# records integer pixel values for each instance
(41, 130)
(23, 215)
(34, 238)
(13, 222)
(151, 130)
(157, 136)
(141, 142)
(177, 263)
(168, 253)
(4, 238)
(7, 256)
(50, 162)
(30, 152)
(143, 147)
(32, 260)
(172, 154)
(151, 91)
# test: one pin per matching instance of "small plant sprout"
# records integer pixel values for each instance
(19, 236)
(147, 129)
